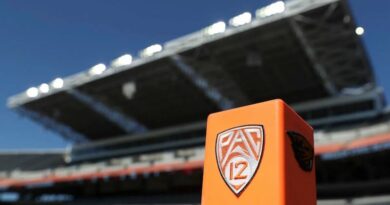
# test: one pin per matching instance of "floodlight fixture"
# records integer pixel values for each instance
(241, 19)
(151, 50)
(97, 69)
(216, 28)
(123, 60)
(272, 9)
(57, 83)
(359, 31)
(32, 92)
(44, 88)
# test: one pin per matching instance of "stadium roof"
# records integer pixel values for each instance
(30, 159)
(300, 51)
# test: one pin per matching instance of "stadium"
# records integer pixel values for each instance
(138, 124)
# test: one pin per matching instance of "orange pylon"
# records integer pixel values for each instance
(260, 154)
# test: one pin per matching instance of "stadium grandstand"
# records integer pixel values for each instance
(138, 124)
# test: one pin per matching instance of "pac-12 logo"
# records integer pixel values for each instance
(238, 152)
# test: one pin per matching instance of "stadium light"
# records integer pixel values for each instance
(32, 92)
(241, 19)
(359, 31)
(215, 28)
(97, 69)
(57, 83)
(122, 61)
(44, 88)
(151, 50)
(272, 9)
(129, 89)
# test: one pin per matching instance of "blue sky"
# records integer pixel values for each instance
(44, 39)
